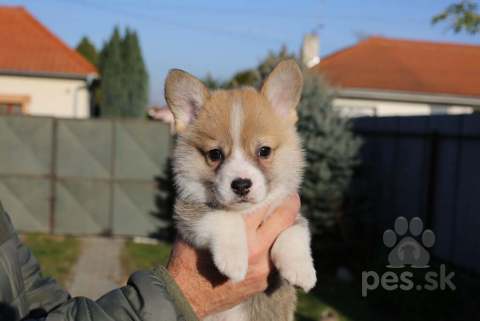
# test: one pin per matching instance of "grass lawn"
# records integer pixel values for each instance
(137, 257)
(56, 254)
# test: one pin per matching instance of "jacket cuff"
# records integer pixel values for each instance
(174, 290)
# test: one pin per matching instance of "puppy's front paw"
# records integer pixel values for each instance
(295, 267)
(231, 260)
(301, 274)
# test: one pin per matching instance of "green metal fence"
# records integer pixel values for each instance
(82, 176)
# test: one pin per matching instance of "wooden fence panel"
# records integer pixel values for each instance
(428, 167)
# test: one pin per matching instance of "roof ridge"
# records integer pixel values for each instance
(423, 42)
(72, 53)
(10, 7)
(377, 39)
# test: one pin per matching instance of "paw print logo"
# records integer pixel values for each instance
(408, 250)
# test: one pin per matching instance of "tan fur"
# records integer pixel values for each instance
(277, 303)
(176, 86)
(262, 127)
(273, 89)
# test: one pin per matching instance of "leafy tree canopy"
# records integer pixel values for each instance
(463, 16)
(87, 50)
(124, 82)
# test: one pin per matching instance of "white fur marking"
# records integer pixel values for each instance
(224, 234)
(238, 166)
(236, 124)
(292, 256)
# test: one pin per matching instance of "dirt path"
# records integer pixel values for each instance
(98, 269)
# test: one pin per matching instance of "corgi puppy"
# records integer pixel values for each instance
(238, 151)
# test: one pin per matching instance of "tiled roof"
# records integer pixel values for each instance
(407, 66)
(28, 47)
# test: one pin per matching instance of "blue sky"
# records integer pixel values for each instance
(222, 37)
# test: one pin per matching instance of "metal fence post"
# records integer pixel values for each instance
(53, 175)
(432, 181)
(112, 177)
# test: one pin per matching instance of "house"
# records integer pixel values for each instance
(385, 77)
(163, 114)
(39, 73)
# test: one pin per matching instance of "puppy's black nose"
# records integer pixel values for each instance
(241, 186)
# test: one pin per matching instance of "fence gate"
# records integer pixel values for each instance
(82, 176)
(429, 167)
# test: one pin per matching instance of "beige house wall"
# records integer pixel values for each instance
(48, 96)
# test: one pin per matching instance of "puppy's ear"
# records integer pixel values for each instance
(283, 87)
(185, 96)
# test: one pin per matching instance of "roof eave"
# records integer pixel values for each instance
(411, 97)
(43, 74)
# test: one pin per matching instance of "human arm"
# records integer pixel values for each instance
(33, 293)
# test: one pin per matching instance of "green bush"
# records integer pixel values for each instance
(331, 150)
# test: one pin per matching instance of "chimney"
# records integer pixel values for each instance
(310, 50)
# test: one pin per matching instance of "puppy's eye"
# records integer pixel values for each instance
(215, 154)
(264, 152)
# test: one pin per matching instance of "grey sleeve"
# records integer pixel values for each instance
(149, 295)
(43, 293)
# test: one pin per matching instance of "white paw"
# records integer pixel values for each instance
(295, 264)
(292, 257)
(232, 261)
(300, 274)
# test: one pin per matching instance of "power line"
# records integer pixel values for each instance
(262, 12)
(251, 34)
(255, 35)
(269, 12)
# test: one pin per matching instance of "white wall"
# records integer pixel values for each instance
(357, 107)
(48, 96)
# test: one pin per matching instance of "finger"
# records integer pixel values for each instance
(282, 218)
(253, 221)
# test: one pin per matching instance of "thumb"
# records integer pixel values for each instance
(281, 218)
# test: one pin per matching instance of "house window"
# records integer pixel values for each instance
(13, 104)
(15, 109)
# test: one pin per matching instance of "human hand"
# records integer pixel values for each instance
(207, 290)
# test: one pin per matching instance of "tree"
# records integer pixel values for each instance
(331, 150)
(464, 16)
(254, 77)
(124, 82)
(135, 76)
(212, 83)
(271, 61)
(114, 96)
(87, 50)
(245, 78)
